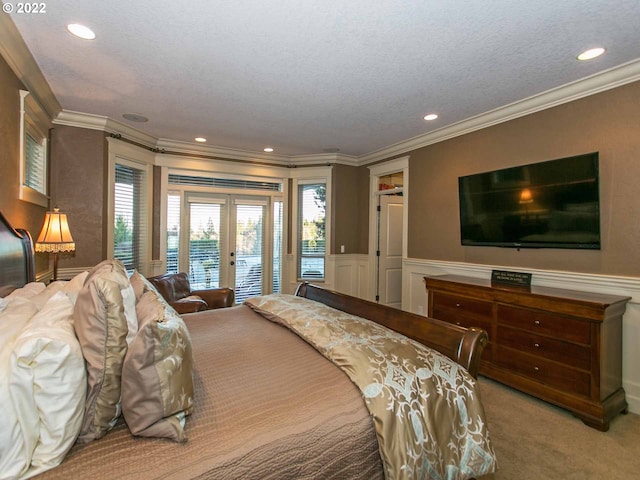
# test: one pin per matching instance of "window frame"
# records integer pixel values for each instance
(306, 176)
(132, 157)
(35, 123)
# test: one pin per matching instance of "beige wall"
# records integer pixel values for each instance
(19, 213)
(349, 201)
(78, 181)
(608, 122)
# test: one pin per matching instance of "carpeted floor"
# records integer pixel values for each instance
(536, 441)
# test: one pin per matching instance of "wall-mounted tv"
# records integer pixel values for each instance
(552, 204)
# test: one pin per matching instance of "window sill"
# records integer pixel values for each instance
(30, 195)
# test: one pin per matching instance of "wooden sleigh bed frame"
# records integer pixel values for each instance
(464, 345)
(226, 431)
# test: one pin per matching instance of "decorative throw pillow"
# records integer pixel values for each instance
(157, 378)
(138, 282)
(101, 327)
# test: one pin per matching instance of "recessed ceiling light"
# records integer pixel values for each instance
(431, 116)
(268, 149)
(134, 117)
(81, 31)
(591, 53)
(200, 139)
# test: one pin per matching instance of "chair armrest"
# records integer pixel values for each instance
(189, 305)
(216, 297)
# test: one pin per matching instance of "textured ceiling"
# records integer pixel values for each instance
(305, 76)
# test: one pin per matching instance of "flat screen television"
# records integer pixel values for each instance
(552, 204)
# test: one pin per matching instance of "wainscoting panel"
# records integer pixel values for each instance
(415, 300)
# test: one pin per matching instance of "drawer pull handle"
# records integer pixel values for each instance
(458, 323)
(537, 345)
(458, 305)
(536, 369)
(537, 322)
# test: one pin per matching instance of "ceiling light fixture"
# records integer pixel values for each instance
(591, 53)
(81, 31)
(268, 149)
(200, 139)
(431, 116)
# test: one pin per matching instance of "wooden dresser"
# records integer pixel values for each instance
(562, 346)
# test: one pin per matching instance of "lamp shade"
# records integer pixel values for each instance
(525, 196)
(55, 235)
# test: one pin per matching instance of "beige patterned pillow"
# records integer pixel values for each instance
(101, 327)
(157, 379)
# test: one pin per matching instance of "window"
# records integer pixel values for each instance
(130, 198)
(34, 125)
(173, 232)
(278, 214)
(311, 230)
(130, 226)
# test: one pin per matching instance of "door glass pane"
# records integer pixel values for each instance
(173, 232)
(277, 245)
(205, 238)
(249, 250)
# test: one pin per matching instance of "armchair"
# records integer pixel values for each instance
(176, 290)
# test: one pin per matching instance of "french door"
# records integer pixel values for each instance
(227, 240)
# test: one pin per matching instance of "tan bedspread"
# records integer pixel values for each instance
(428, 417)
(267, 406)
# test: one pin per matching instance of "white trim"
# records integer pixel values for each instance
(14, 50)
(591, 85)
(17, 55)
(35, 123)
(599, 82)
(139, 158)
(105, 124)
(375, 172)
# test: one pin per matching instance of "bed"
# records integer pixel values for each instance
(266, 401)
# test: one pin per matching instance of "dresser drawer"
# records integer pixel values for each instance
(452, 307)
(542, 323)
(578, 356)
(545, 371)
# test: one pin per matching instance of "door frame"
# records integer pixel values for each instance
(375, 172)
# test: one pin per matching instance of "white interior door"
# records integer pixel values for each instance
(390, 251)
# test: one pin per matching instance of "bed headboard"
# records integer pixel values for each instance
(17, 263)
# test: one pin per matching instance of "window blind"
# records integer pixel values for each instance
(173, 233)
(130, 229)
(35, 165)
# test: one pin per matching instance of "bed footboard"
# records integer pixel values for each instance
(464, 345)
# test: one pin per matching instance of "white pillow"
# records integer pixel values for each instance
(28, 291)
(14, 456)
(129, 302)
(48, 383)
(73, 287)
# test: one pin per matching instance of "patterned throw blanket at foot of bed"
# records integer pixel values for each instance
(428, 418)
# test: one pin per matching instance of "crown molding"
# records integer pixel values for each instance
(19, 58)
(599, 82)
(105, 124)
